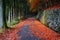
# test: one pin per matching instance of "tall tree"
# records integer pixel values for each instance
(4, 13)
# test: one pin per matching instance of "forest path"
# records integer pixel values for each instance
(30, 29)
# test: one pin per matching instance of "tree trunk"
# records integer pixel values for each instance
(4, 14)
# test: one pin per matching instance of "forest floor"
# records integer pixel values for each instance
(30, 29)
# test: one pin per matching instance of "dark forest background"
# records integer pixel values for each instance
(14, 11)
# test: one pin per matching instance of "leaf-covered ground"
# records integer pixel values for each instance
(29, 29)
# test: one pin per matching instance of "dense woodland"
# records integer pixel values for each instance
(16, 10)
